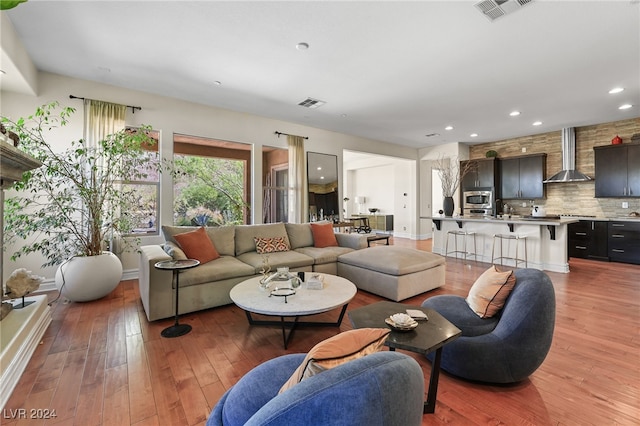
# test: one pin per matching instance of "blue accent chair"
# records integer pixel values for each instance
(384, 388)
(508, 347)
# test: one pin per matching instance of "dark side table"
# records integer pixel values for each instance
(176, 266)
(428, 336)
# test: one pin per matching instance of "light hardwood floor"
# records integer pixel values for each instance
(104, 363)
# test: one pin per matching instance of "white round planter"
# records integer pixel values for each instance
(87, 278)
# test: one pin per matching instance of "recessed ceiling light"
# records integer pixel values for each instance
(449, 128)
(321, 177)
(625, 106)
(319, 168)
(302, 46)
(537, 123)
(616, 90)
(514, 113)
(343, 115)
(474, 135)
(217, 83)
(2, 72)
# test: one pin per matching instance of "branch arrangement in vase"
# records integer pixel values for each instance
(451, 172)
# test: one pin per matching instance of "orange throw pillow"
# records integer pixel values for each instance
(338, 350)
(323, 235)
(197, 245)
(488, 294)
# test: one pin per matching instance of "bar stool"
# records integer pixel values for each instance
(464, 234)
(500, 238)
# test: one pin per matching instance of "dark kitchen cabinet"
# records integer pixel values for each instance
(617, 170)
(483, 174)
(624, 241)
(522, 177)
(588, 239)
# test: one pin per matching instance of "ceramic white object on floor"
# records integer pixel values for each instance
(86, 278)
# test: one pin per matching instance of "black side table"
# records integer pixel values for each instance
(176, 266)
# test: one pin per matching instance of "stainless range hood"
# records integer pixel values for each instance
(568, 172)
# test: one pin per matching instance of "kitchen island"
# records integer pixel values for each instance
(546, 238)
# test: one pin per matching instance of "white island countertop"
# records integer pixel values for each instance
(546, 237)
(530, 220)
(550, 221)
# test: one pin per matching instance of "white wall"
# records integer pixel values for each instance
(171, 116)
(383, 181)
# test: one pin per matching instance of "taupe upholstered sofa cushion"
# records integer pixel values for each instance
(324, 255)
(300, 235)
(220, 269)
(290, 258)
(245, 234)
(222, 237)
(392, 260)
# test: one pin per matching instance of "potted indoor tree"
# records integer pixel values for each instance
(69, 208)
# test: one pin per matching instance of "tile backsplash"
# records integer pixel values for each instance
(569, 198)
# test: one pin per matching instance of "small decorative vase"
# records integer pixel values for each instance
(617, 140)
(448, 206)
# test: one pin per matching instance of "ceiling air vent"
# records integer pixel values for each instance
(494, 9)
(312, 103)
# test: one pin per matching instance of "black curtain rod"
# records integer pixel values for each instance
(287, 134)
(133, 108)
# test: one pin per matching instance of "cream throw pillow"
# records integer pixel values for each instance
(488, 294)
(337, 350)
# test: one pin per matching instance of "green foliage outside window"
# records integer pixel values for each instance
(208, 191)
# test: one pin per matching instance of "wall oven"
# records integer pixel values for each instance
(478, 203)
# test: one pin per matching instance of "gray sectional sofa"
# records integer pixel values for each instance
(208, 285)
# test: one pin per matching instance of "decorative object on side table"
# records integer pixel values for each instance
(401, 322)
(617, 140)
(451, 172)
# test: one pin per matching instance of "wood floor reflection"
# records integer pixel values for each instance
(103, 363)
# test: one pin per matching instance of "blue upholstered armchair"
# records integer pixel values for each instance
(505, 348)
(384, 388)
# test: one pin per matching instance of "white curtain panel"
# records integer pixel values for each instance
(297, 179)
(102, 119)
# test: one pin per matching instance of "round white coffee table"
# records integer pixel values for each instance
(336, 292)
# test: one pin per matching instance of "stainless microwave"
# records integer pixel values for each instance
(477, 200)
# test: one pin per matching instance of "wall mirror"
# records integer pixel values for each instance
(322, 179)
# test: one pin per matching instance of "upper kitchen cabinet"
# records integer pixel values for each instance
(522, 177)
(482, 174)
(617, 170)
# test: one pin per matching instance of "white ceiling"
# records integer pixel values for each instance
(388, 70)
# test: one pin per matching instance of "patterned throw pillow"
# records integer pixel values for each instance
(271, 245)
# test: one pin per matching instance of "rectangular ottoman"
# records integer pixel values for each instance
(396, 273)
